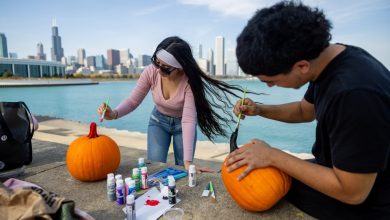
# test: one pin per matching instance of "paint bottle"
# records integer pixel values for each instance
(130, 207)
(118, 177)
(120, 192)
(111, 194)
(110, 175)
(127, 183)
(131, 188)
(171, 190)
(141, 162)
(136, 177)
(192, 176)
(144, 178)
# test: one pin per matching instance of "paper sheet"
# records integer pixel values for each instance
(151, 212)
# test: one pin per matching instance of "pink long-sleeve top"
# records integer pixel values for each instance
(181, 104)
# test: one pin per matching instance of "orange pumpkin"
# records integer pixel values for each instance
(259, 190)
(92, 157)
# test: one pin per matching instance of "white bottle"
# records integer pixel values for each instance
(120, 192)
(130, 207)
(141, 162)
(111, 194)
(192, 176)
(144, 178)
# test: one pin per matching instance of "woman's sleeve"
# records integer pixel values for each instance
(188, 124)
(138, 94)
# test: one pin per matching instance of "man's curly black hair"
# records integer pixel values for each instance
(275, 38)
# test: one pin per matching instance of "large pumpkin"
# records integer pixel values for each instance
(92, 157)
(259, 190)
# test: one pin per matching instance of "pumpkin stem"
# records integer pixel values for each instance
(92, 131)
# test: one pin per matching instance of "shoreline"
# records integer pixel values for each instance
(45, 82)
(64, 131)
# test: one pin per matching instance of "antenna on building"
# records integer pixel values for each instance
(54, 22)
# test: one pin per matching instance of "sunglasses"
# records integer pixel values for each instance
(165, 70)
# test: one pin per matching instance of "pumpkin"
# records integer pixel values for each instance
(259, 190)
(92, 157)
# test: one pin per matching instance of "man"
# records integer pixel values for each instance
(287, 45)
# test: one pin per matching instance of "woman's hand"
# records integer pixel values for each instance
(199, 169)
(109, 114)
(255, 154)
(249, 108)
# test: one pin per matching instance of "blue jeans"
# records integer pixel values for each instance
(161, 130)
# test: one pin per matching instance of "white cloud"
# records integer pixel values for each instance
(151, 10)
(236, 8)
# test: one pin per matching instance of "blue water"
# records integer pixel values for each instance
(79, 103)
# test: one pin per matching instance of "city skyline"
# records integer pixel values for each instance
(140, 25)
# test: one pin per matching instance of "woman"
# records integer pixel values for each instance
(184, 96)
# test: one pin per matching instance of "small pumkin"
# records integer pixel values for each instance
(92, 157)
(259, 190)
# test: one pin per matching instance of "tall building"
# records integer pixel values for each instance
(220, 56)
(211, 62)
(124, 55)
(81, 56)
(91, 61)
(113, 58)
(144, 60)
(40, 53)
(100, 62)
(231, 62)
(3, 46)
(57, 52)
(200, 51)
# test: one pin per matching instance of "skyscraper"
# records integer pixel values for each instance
(57, 52)
(220, 56)
(124, 56)
(40, 53)
(112, 58)
(81, 56)
(200, 51)
(3, 46)
(211, 62)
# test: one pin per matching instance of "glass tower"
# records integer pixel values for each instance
(57, 52)
(3, 46)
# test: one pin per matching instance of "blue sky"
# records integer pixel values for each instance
(140, 25)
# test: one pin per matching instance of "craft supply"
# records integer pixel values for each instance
(212, 198)
(206, 191)
(171, 190)
(104, 110)
(127, 183)
(144, 178)
(120, 192)
(173, 214)
(162, 175)
(136, 177)
(130, 207)
(192, 176)
(131, 188)
(141, 162)
(233, 137)
(111, 194)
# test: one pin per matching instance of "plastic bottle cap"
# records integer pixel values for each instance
(171, 181)
(144, 169)
(132, 183)
(118, 176)
(110, 180)
(127, 180)
(192, 168)
(135, 171)
(119, 183)
(130, 199)
(110, 175)
(141, 160)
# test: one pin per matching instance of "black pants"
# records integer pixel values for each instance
(321, 206)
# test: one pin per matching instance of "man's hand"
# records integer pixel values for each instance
(255, 154)
(249, 108)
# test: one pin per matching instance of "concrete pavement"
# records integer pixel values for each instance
(48, 170)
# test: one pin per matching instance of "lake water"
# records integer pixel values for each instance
(79, 103)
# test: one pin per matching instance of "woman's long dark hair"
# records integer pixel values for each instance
(209, 94)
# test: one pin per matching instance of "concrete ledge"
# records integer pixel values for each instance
(41, 82)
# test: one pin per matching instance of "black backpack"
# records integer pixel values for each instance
(16, 131)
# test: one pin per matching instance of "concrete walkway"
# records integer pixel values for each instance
(48, 170)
